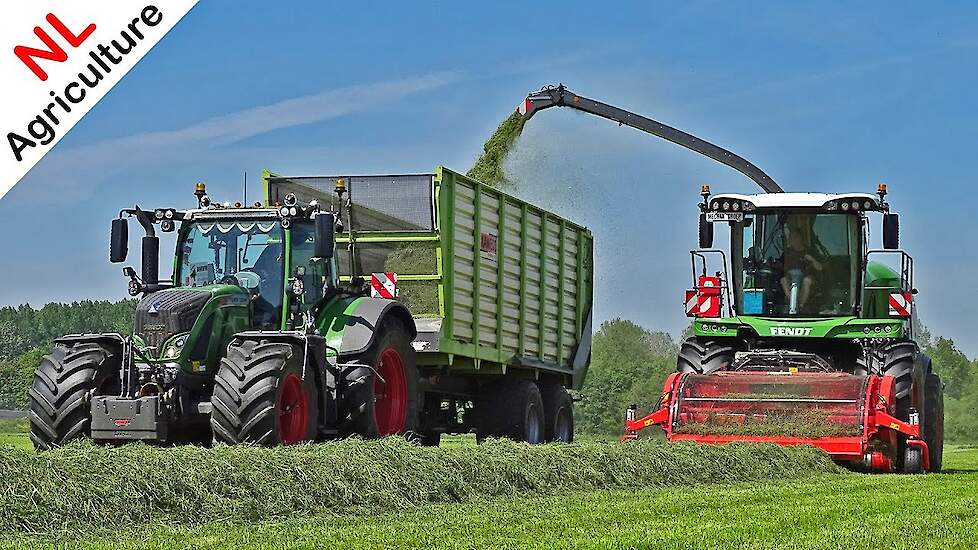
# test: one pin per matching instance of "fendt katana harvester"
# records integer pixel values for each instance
(816, 346)
(410, 305)
(805, 336)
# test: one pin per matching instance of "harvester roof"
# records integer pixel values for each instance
(865, 201)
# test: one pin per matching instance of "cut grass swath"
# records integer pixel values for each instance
(87, 485)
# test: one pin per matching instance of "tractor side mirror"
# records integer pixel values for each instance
(119, 241)
(706, 232)
(891, 231)
(325, 236)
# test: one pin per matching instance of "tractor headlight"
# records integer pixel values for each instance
(176, 346)
(748, 206)
(845, 206)
(831, 205)
(867, 205)
(736, 206)
(716, 205)
(284, 211)
(726, 205)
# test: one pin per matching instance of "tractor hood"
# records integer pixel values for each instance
(164, 314)
(832, 327)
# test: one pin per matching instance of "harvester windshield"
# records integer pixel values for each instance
(796, 263)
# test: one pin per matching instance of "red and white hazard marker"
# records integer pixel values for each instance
(383, 285)
(705, 300)
(901, 304)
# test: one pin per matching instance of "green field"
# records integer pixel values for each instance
(824, 511)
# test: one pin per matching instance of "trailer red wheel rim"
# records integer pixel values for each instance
(293, 410)
(390, 394)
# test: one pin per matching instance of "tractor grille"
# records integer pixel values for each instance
(168, 312)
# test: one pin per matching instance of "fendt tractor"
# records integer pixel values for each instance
(410, 305)
(806, 336)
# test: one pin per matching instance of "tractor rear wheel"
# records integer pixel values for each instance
(558, 413)
(703, 356)
(61, 392)
(513, 409)
(934, 421)
(381, 397)
(262, 396)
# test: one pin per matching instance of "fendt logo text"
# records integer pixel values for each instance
(791, 331)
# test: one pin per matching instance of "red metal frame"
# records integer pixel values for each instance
(878, 425)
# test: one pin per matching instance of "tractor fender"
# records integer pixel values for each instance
(353, 330)
(112, 339)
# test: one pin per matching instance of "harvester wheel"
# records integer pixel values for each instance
(558, 412)
(934, 421)
(61, 393)
(381, 397)
(511, 408)
(898, 361)
(262, 396)
(913, 461)
(703, 356)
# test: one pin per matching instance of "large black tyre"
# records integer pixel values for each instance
(934, 421)
(261, 396)
(510, 408)
(62, 389)
(898, 362)
(390, 404)
(703, 356)
(558, 413)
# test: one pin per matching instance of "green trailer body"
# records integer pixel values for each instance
(495, 285)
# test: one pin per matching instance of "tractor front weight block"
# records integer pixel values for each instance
(128, 419)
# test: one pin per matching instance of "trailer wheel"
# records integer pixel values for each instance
(558, 413)
(512, 409)
(381, 398)
(703, 357)
(261, 396)
(61, 392)
(934, 421)
(913, 461)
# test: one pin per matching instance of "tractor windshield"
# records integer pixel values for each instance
(243, 253)
(796, 264)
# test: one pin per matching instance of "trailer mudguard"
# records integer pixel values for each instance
(350, 325)
(582, 355)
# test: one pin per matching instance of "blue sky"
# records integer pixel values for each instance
(823, 96)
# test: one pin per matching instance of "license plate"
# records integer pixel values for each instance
(724, 216)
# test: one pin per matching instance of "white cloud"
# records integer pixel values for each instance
(66, 175)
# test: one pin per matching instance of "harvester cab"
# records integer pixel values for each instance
(803, 334)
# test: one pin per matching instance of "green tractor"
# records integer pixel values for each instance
(806, 336)
(313, 316)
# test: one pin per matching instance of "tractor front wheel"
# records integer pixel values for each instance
(61, 392)
(380, 396)
(262, 396)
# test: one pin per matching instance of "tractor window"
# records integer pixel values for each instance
(311, 272)
(796, 264)
(243, 253)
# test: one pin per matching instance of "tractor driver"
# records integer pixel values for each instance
(800, 263)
